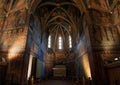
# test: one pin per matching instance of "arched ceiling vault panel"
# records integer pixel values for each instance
(59, 17)
(50, 14)
(58, 4)
(77, 3)
(72, 26)
(68, 16)
(66, 29)
(58, 8)
(52, 26)
(51, 29)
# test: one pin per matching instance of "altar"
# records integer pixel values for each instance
(59, 71)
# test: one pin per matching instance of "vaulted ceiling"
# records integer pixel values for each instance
(57, 18)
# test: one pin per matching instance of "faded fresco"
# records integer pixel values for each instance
(105, 27)
(13, 35)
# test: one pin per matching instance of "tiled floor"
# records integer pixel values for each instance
(58, 82)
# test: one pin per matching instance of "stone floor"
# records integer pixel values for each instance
(58, 82)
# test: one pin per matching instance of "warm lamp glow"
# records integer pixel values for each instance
(115, 59)
(86, 66)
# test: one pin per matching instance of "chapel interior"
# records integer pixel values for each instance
(74, 41)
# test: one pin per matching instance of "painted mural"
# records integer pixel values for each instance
(4, 8)
(13, 34)
(104, 34)
(18, 4)
(105, 27)
(102, 5)
(1, 23)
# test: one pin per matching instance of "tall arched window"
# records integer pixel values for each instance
(60, 42)
(49, 41)
(70, 42)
